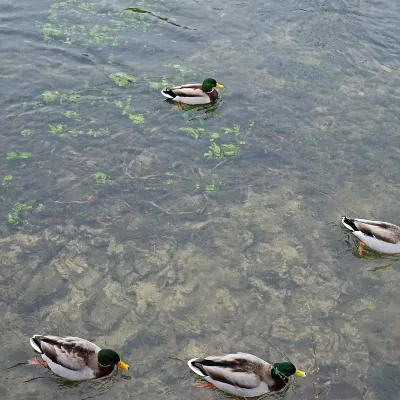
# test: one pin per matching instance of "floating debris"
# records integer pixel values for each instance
(140, 11)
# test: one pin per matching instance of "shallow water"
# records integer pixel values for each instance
(180, 255)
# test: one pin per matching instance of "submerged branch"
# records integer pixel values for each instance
(139, 10)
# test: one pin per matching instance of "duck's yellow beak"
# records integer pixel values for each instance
(299, 373)
(219, 86)
(123, 365)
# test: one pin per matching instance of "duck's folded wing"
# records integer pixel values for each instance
(189, 86)
(233, 372)
(381, 230)
(69, 352)
(188, 91)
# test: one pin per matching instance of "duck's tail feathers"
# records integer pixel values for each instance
(169, 94)
(192, 366)
(35, 343)
(349, 224)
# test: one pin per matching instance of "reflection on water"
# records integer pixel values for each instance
(172, 234)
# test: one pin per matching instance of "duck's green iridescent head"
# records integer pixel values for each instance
(108, 357)
(281, 371)
(209, 84)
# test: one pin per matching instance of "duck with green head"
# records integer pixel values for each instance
(243, 374)
(194, 93)
(74, 358)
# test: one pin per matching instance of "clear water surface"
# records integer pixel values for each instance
(171, 234)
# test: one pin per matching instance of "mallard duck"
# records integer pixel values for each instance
(380, 236)
(75, 358)
(243, 374)
(194, 93)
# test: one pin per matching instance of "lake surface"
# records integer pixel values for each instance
(169, 234)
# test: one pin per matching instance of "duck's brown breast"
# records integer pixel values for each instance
(213, 95)
(103, 370)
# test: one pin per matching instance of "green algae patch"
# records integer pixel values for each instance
(89, 23)
(57, 129)
(14, 217)
(62, 130)
(50, 97)
(14, 156)
(224, 150)
(80, 111)
(26, 132)
(121, 79)
(136, 118)
(210, 186)
(50, 32)
(54, 97)
(194, 132)
(218, 146)
(128, 110)
(100, 177)
(72, 97)
(72, 115)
